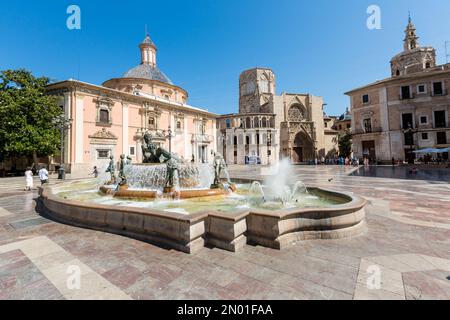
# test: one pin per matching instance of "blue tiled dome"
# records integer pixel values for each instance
(346, 116)
(145, 71)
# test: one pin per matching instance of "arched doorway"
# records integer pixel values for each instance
(302, 148)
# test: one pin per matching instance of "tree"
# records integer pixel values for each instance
(345, 144)
(26, 116)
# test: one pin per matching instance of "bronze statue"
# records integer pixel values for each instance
(172, 168)
(112, 170)
(129, 160)
(219, 166)
(122, 177)
(152, 153)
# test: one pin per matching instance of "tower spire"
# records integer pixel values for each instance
(411, 39)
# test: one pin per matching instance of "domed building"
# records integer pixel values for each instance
(111, 119)
(147, 78)
(344, 122)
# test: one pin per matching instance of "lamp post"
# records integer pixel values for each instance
(169, 136)
(63, 124)
(410, 132)
(224, 141)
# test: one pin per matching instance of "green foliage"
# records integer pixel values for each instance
(345, 144)
(26, 115)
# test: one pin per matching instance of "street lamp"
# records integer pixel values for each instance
(224, 141)
(169, 136)
(63, 124)
(410, 132)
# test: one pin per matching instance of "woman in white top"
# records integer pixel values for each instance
(29, 179)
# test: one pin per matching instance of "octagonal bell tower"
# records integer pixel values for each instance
(256, 91)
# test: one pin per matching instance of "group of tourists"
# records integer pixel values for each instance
(347, 161)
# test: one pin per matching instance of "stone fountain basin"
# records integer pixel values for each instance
(142, 194)
(276, 229)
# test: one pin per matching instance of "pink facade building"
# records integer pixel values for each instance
(111, 119)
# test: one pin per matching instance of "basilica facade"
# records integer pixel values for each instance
(111, 119)
(270, 127)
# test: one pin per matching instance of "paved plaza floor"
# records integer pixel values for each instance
(405, 253)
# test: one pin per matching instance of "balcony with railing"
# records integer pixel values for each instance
(202, 138)
(367, 131)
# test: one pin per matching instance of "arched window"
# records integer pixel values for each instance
(264, 122)
(248, 122)
(397, 73)
(256, 122)
(427, 65)
(179, 126)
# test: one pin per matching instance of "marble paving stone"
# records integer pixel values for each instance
(29, 223)
(4, 212)
(408, 231)
(363, 293)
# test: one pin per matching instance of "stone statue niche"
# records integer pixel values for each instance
(152, 153)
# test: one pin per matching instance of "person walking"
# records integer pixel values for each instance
(43, 175)
(95, 172)
(29, 179)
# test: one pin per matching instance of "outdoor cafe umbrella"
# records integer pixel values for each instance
(432, 150)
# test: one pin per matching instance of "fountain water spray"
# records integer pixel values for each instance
(276, 187)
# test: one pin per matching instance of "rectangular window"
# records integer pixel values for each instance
(104, 116)
(421, 88)
(367, 125)
(439, 119)
(438, 89)
(441, 138)
(103, 154)
(406, 92)
(349, 126)
(407, 121)
(365, 98)
(424, 136)
(423, 120)
(132, 151)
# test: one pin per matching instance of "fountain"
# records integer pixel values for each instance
(182, 205)
(165, 172)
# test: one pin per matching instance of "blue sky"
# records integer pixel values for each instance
(322, 47)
